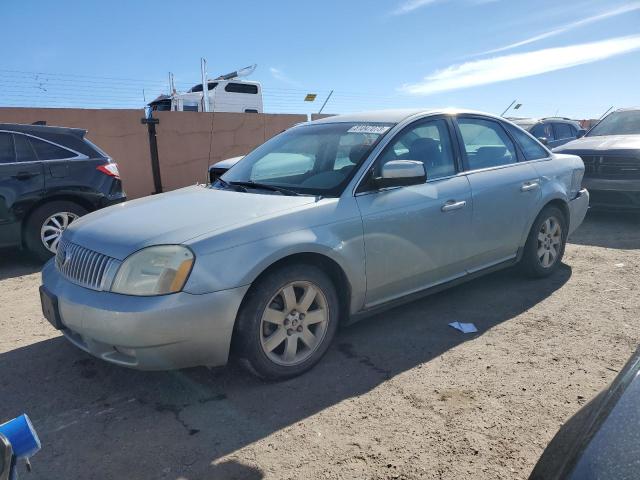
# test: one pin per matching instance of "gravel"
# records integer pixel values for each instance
(400, 395)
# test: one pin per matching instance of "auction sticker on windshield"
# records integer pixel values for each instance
(377, 129)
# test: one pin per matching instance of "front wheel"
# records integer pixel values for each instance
(46, 225)
(545, 244)
(287, 321)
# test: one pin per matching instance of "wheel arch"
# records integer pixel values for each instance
(88, 206)
(327, 264)
(558, 202)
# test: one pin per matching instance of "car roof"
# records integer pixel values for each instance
(397, 115)
(42, 129)
(533, 120)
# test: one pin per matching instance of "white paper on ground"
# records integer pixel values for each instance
(464, 327)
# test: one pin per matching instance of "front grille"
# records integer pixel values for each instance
(84, 267)
(611, 166)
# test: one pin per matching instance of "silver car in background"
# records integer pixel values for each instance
(325, 223)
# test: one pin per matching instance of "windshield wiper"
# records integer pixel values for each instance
(265, 186)
(230, 186)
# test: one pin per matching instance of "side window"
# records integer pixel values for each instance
(563, 130)
(548, 132)
(427, 142)
(241, 88)
(538, 130)
(48, 151)
(6, 148)
(24, 152)
(532, 149)
(486, 143)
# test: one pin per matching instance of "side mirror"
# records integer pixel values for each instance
(543, 140)
(581, 133)
(400, 173)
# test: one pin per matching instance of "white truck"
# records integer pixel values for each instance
(226, 93)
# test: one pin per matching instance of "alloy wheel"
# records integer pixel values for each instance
(53, 227)
(549, 242)
(294, 323)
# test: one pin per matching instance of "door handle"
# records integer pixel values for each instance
(528, 186)
(24, 175)
(453, 205)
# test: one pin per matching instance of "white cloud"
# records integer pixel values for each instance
(519, 65)
(570, 26)
(280, 75)
(411, 5)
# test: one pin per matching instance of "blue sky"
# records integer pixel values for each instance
(573, 58)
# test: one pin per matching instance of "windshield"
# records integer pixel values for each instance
(618, 123)
(315, 159)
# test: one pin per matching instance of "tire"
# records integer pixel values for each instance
(545, 245)
(275, 321)
(48, 216)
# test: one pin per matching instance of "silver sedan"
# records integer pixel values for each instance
(323, 224)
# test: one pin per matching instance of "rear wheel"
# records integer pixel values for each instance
(287, 321)
(46, 225)
(546, 242)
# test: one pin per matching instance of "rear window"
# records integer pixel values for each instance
(241, 88)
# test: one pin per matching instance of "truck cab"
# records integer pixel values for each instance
(224, 95)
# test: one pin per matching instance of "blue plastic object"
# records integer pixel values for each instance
(22, 436)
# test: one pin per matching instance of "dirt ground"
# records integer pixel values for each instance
(400, 395)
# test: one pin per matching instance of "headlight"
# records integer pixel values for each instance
(576, 182)
(154, 271)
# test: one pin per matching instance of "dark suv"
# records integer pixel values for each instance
(552, 131)
(611, 155)
(49, 176)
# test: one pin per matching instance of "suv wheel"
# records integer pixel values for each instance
(46, 224)
(545, 245)
(287, 321)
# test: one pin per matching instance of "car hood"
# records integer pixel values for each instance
(174, 217)
(598, 144)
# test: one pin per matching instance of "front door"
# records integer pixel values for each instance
(415, 236)
(505, 192)
(21, 184)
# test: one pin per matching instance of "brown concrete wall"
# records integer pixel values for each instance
(117, 132)
(188, 142)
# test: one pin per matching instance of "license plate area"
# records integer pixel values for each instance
(50, 308)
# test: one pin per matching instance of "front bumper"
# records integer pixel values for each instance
(618, 194)
(147, 333)
(578, 209)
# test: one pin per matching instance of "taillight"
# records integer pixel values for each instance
(110, 169)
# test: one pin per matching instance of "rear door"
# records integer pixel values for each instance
(61, 166)
(21, 184)
(505, 191)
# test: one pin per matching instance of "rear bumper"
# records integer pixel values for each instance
(113, 199)
(147, 333)
(618, 194)
(578, 209)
